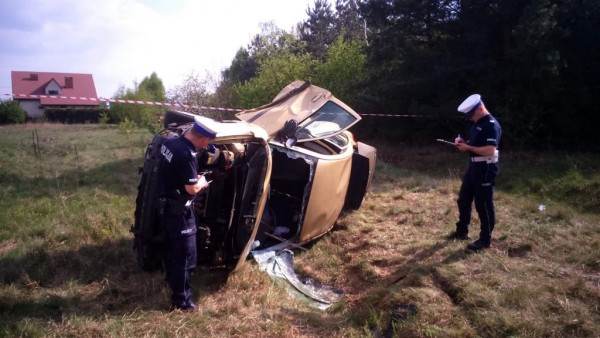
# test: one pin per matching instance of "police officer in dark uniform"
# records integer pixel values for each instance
(479, 179)
(180, 183)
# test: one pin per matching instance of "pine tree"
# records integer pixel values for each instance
(319, 30)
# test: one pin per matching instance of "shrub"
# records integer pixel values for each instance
(11, 112)
(151, 89)
(127, 126)
(73, 115)
(104, 118)
(141, 116)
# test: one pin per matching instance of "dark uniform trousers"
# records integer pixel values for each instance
(179, 167)
(478, 184)
(180, 259)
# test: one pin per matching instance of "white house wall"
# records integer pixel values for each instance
(32, 107)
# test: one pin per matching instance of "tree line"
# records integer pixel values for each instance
(535, 62)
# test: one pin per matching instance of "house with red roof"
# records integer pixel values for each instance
(39, 91)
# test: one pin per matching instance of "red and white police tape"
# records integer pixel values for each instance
(164, 104)
(124, 101)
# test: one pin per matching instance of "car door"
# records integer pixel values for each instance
(327, 194)
(240, 132)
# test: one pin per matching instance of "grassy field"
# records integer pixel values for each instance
(67, 268)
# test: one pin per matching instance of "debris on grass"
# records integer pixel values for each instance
(279, 265)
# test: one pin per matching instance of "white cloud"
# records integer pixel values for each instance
(120, 41)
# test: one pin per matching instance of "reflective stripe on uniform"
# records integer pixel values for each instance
(487, 159)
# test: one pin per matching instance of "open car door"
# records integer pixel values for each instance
(318, 113)
(249, 207)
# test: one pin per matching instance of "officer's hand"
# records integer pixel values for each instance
(462, 146)
(459, 139)
(202, 183)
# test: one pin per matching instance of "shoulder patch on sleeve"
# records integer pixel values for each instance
(166, 153)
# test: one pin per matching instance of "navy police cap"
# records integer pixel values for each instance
(470, 103)
(205, 127)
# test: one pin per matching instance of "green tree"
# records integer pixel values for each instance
(243, 67)
(534, 61)
(318, 31)
(270, 42)
(343, 70)
(152, 88)
(273, 40)
(408, 51)
(348, 21)
(274, 73)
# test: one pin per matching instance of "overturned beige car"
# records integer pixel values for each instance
(296, 168)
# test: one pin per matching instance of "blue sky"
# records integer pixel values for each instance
(121, 41)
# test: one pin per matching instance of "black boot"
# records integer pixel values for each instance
(478, 245)
(457, 236)
(186, 307)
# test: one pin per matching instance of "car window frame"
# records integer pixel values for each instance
(307, 121)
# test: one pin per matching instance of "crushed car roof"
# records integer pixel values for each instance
(297, 101)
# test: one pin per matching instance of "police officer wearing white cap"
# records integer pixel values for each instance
(180, 182)
(479, 179)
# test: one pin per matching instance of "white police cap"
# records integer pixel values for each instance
(469, 103)
(205, 127)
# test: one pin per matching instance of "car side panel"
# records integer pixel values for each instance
(328, 195)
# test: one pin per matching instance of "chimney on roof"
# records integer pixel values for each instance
(33, 77)
(68, 82)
